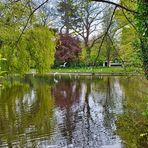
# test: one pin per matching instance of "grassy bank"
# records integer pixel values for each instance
(96, 70)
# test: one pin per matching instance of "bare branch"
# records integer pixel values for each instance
(27, 22)
(129, 20)
(115, 48)
(95, 41)
(117, 5)
(100, 47)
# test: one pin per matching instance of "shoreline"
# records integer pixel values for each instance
(93, 74)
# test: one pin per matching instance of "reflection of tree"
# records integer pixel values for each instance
(86, 110)
(18, 118)
(132, 123)
(98, 118)
(108, 105)
(7, 110)
(66, 94)
(42, 110)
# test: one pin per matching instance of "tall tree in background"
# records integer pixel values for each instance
(110, 35)
(82, 18)
(90, 15)
(68, 12)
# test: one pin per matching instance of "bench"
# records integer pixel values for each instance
(116, 64)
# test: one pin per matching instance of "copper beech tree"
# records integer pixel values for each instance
(67, 48)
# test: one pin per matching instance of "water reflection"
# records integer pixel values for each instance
(25, 114)
(71, 112)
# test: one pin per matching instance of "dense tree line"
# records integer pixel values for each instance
(106, 31)
(140, 23)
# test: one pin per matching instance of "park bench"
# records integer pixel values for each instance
(116, 64)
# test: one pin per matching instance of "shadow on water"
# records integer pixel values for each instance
(81, 112)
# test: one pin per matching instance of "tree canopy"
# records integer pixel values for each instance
(28, 30)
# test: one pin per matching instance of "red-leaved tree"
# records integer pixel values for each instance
(67, 49)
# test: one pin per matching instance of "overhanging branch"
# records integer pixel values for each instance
(100, 47)
(117, 5)
(24, 28)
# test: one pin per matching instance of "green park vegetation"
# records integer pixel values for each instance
(73, 36)
(110, 70)
(34, 36)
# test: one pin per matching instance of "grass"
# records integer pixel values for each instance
(94, 70)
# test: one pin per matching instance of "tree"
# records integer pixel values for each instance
(82, 19)
(90, 16)
(142, 16)
(128, 35)
(110, 35)
(67, 49)
(41, 47)
(13, 17)
(68, 12)
(23, 43)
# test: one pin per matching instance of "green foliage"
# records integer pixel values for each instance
(35, 49)
(41, 48)
(142, 23)
(1, 71)
(36, 46)
(129, 51)
(145, 112)
(128, 37)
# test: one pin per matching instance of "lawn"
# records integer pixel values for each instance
(95, 70)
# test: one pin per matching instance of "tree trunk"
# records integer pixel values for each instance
(88, 52)
(108, 57)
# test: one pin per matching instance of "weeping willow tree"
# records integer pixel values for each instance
(23, 43)
(35, 49)
(39, 48)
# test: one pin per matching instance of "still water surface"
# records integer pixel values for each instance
(65, 112)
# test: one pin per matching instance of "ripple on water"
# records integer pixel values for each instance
(79, 113)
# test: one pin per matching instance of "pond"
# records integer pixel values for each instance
(73, 112)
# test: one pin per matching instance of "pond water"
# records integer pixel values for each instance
(69, 111)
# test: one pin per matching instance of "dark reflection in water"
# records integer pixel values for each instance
(54, 112)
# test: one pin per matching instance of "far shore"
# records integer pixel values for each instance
(99, 71)
(93, 73)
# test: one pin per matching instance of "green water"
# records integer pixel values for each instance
(73, 112)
